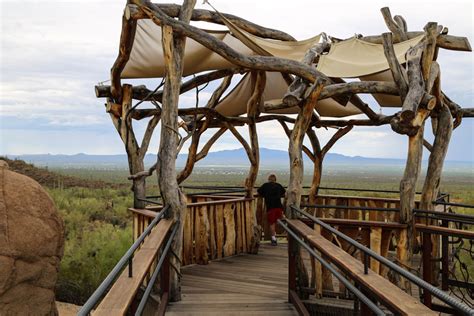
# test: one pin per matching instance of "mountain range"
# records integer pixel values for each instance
(223, 158)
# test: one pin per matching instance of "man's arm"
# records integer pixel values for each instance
(282, 191)
(261, 190)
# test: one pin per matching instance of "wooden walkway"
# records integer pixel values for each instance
(239, 285)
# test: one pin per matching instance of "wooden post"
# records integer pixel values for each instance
(122, 120)
(259, 80)
(296, 171)
(427, 273)
(173, 51)
(319, 155)
(432, 182)
(407, 195)
(291, 266)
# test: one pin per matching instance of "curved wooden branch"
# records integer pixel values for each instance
(427, 145)
(393, 26)
(383, 120)
(141, 92)
(468, 112)
(266, 63)
(126, 42)
(451, 42)
(306, 150)
(415, 82)
(217, 94)
(298, 87)
(259, 81)
(241, 140)
(209, 16)
(401, 22)
(191, 159)
(144, 174)
(205, 150)
(340, 133)
(432, 29)
(394, 65)
(148, 134)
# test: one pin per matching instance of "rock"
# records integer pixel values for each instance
(31, 246)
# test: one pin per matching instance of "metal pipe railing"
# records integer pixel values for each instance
(109, 280)
(151, 282)
(451, 217)
(358, 208)
(357, 293)
(443, 296)
(453, 204)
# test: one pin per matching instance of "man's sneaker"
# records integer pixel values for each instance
(274, 242)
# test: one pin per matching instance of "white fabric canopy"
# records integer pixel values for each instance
(354, 58)
(235, 103)
(146, 58)
(351, 58)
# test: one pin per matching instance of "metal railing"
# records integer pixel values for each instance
(347, 283)
(441, 295)
(450, 217)
(165, 276)
(357, 208)
(119, 267)
(452, 261)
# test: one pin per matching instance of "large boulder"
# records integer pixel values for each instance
(31, 246)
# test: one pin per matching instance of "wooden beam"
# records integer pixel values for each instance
(173, 51)
(141, 92)
(173, 10)
(394, 65)
(126, 42)
(450, 42)
(415, 82)
(297, 88)
(397, 30)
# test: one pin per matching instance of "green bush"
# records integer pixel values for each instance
(98, 233)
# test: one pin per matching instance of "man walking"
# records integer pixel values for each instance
(272, 191)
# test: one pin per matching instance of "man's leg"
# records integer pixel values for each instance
(273, 230)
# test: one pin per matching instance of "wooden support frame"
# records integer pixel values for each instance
(420, 91)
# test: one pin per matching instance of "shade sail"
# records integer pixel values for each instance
(354, 58)
(146, 58)
(235, 103)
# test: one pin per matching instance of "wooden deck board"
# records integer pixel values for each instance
(239, 285)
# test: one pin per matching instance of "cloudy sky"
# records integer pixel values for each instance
(54, 52)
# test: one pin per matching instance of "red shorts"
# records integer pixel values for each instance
(273, 214)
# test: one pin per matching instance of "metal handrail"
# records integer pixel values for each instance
(126, 258)
(364, 299)
(151, 282)
(451, 217)
(453, 204)
(361, 190)
(344, 207)
(443, 296)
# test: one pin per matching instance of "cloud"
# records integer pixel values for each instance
(52, 53)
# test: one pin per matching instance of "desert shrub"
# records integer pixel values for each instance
(89, 255)
(98, 233)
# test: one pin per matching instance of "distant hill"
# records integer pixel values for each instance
(230, 158)
(51, 179)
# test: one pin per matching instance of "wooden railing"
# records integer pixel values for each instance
(214, 227)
